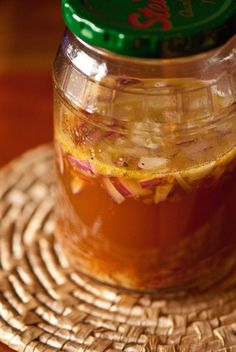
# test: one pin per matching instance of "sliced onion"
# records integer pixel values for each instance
(150, 182)
(59, 157)
(184, 184)
(76, 185)
(149, 163)
(83, 166)
(112, 191)
(122, 187)
(130, 188)
(162, 193)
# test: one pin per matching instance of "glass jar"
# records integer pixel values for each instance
(145, 142)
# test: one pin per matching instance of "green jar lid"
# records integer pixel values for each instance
(152, 28)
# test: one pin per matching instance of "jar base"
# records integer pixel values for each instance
(214, 277)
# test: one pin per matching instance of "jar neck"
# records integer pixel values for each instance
(98, 63)
(191, 92)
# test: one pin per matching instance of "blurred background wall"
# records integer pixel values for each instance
(30, 32)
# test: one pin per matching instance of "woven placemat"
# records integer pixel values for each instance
(45, 306)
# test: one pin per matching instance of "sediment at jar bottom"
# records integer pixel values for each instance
(182, 241)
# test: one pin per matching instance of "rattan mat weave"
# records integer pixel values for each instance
(45, 306)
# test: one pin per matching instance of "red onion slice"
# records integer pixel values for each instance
(122, 187)
(150, 182)
(130, 188)
(83, 166)
(112, 191)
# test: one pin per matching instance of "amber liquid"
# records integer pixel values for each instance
(180, 242)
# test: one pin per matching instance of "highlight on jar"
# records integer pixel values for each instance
(145, 203)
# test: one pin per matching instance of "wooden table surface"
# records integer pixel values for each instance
(30, 33)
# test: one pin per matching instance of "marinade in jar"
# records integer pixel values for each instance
(139, 212)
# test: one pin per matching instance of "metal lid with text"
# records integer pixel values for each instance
(152, 28)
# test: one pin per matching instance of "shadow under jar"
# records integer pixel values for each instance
(145, 145)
